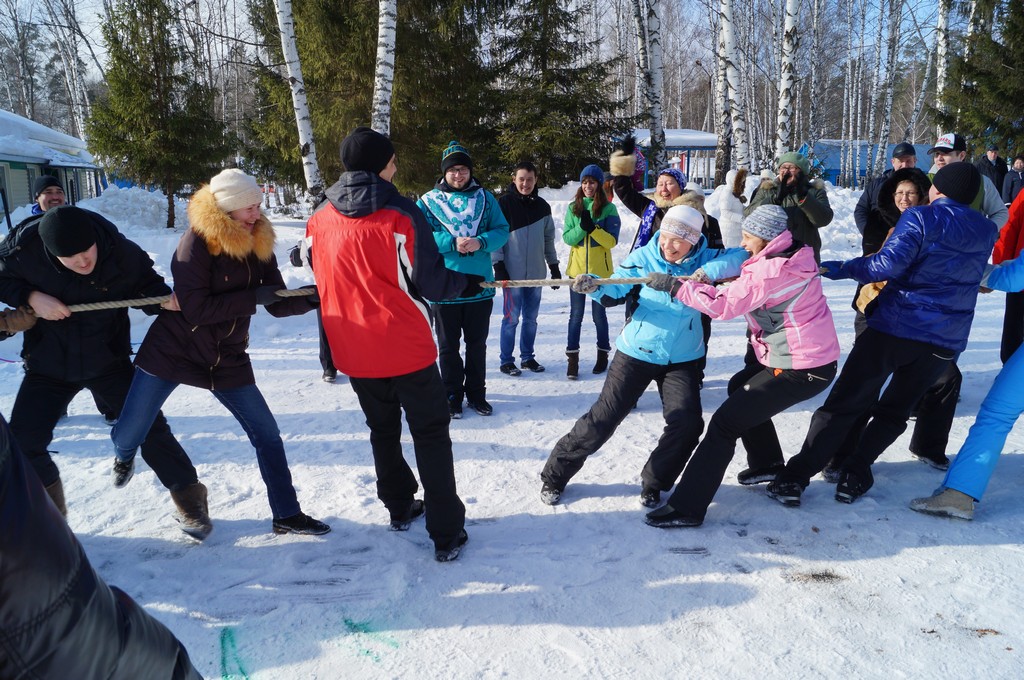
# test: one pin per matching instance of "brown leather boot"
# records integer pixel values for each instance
(194, 513)
(572, 372)
(56, 491)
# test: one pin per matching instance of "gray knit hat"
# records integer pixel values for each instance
(766, 222)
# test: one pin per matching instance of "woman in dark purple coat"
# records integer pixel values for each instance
(223, 268)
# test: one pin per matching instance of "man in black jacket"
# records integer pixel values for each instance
(58, 619)
(73, 256)
(993, 166)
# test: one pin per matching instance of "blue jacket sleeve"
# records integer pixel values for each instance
(896, 254)
(725, 264)
(1008, 276)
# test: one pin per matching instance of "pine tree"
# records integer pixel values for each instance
(557, 103)
(984, 90)
(155, 123)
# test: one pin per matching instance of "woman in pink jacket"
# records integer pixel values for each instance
(792, 357)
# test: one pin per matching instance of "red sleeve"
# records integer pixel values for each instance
(1009, 244)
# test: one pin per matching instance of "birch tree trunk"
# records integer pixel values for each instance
(642, 53)
(892, 54)
(812, 123)
(307, 146)
(384, 79)
(908, 133)
(657, 81)
(790, 41)
(735, 92)
(876, 84)
(941, 54)
(723, 115)
(858, 92)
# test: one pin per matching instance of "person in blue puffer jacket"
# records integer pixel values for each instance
(662, 342)
(933, 262)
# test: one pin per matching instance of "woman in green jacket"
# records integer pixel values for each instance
(592, 230)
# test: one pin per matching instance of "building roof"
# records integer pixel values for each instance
(23, 140)
(679, 138)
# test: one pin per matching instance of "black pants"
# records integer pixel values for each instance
(421, 396)
(626, 381)
(326, 360)
(1013, 326)
(42, 400)
(756, 394)
(914, 367)
(470, 321)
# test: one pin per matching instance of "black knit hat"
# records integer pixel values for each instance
(44, 182)
(366, 149)
(958, 181)
(455, 154)
(67, 231)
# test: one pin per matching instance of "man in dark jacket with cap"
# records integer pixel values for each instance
(933, 263)
(58, 619)
(73, 256)
(47, 193)
(994, 167)
(376, 263)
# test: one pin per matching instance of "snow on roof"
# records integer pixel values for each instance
(29, 142)
(679, 138)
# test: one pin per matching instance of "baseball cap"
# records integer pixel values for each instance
(904, 149)
(949, 141)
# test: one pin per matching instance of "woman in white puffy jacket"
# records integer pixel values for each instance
(729, 200)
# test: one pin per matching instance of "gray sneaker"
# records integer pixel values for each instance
(945, 503)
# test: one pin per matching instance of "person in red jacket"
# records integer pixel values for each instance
(1009, 247)
(376, 263)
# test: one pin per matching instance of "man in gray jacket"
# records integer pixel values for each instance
(531, 244)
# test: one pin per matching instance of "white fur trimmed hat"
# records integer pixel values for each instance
(683, 222)
(234, 190)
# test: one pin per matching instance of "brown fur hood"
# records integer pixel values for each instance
(225, 236)
(690, 198)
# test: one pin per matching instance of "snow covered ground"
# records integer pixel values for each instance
(581, 590)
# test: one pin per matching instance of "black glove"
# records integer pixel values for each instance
(265, 295)
(472, 288)
(501, 272)
(555, 274)
(666, 283)
(803, 185)
(784, 191)
(295, 255)
(587, 222)
(628, 145)
(314, 299)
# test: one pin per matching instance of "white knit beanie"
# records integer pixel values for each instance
(683, 222)
(234, 190)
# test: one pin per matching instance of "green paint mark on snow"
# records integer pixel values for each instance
(228, 648)
(369, 637)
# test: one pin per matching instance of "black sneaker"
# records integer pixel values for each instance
(550, 495)
(510, 369)
(300, 524)
(532, 366)
(939, 462)
(787, 493)
(450, 551)
(650, 497)
(752, 476)
(403, 521)
(123, 472)
(667, 517)
(110, 419)
(481, 407)
(454, 407)
(854, 484)
(330, 375)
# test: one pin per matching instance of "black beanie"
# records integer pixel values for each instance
(44, 182)
(958, 181)
(67, 231)
(366, 149)
(455, 154)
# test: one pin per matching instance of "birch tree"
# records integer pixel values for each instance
(735, 92)
(384, 78)
(813, 113)
(790, 41)
(941, 53)
(648, 30)
(892, 53)
(876, 85)
(307, 145)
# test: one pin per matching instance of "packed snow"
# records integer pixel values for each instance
(580, 590)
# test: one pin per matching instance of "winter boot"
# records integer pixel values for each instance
(123, 471)
(403, 520)
(449, 552)
(946, 503)
(602, 362)
(193, 510)
(572, 371)
(300, 523)
(56, 492)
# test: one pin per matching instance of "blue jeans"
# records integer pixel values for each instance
(973, 466)
(148, 393)
(577, 303)
(516, 303)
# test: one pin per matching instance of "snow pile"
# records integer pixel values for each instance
(135, 209)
